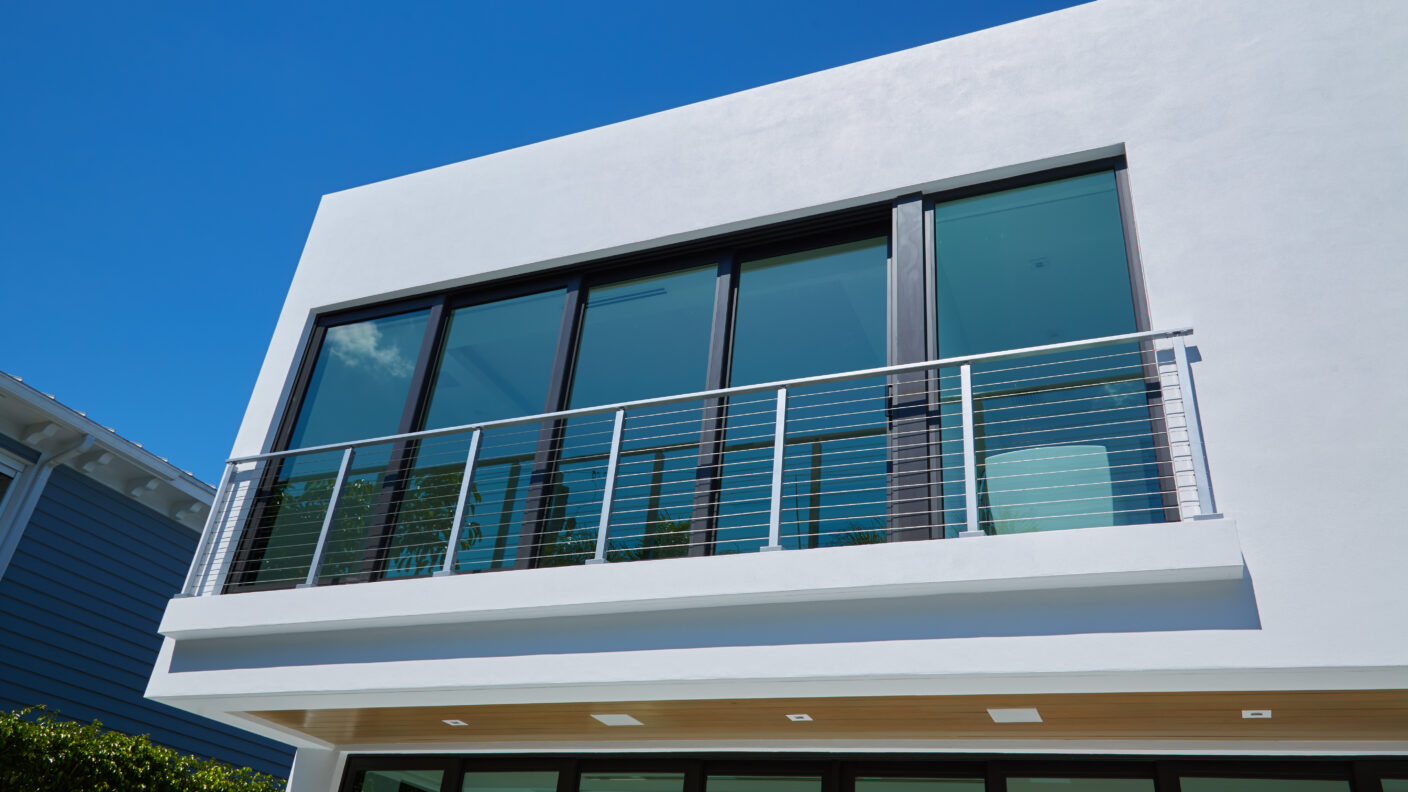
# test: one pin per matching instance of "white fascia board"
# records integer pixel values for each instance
(32, 403)
(912, 668)
(1204, 550)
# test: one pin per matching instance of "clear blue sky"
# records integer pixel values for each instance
(160, 163)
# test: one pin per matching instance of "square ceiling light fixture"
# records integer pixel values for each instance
(454, 722)
(1014, 715)
(800, 717)
(617, 719)
(1251, 714)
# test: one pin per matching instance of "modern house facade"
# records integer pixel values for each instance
(1011, 412)
(95, 535)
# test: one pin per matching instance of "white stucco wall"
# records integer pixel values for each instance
(1267, 158)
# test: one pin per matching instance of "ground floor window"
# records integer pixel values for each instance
(909, 773)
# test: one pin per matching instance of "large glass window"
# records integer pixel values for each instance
(762, 783)
(1051, 784)
(1064, 440)
(496, 361)
(920, 785)
(631, 782)
(510, 781)
(798, 314)
(359, 388)
(639, 338)
(360, 383)
(1190, 784)
(398, 781)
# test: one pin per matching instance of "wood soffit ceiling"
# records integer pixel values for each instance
(1297, 715)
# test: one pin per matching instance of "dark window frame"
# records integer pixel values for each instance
(907, 224)
(839, 771)
(1139, 297)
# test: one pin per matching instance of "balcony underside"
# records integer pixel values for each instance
(1362, 715)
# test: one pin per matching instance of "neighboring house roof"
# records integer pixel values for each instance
(41, 423)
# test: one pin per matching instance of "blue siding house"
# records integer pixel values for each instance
(96, 533)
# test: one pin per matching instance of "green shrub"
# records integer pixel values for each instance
(40, 753)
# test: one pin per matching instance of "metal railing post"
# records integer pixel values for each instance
(1206, 505)
(970, 455)
(207, 536)
(779, 453)
(609, 493)
(318, 550)
(469, 461)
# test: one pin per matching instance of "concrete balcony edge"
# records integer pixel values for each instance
(1203, 550)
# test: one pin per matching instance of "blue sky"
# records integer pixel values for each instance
(160, 163)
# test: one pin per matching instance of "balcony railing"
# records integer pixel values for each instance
(1097, 432)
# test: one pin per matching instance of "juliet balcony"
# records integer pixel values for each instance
(1100, 433)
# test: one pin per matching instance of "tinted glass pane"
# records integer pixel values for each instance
(1080, 785)
(632, 782)
(361, 380)
(1032, 266)
(1262, 785)
(1064, 440)
(640, 338)
(287, 516)
(398, 781)
(814, 312)
(496, 361)
(5, 481)
(745, 783)
(920, 785)
(1394, 784)
(645, 337)
(529, 781)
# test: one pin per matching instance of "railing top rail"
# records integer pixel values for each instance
(737, 390)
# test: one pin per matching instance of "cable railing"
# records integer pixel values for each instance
(1091, 433)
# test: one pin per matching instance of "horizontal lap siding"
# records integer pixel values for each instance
(79, 608)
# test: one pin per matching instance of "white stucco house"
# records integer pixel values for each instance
(1060, 364)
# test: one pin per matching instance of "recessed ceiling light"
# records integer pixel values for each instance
(1014, 715)
(1256, 713)
(800, 717)
(617, 719)
(454, 722)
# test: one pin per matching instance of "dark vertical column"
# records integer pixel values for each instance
(1165, 777)
(707, 480)
(542, 481)
(910, 484)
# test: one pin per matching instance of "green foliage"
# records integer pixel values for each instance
(40, 753)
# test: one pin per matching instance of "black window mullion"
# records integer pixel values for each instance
(910, 491)
(711, 438)
(543, 478)
(1165, 778)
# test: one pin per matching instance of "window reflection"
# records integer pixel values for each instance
(360, 383)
